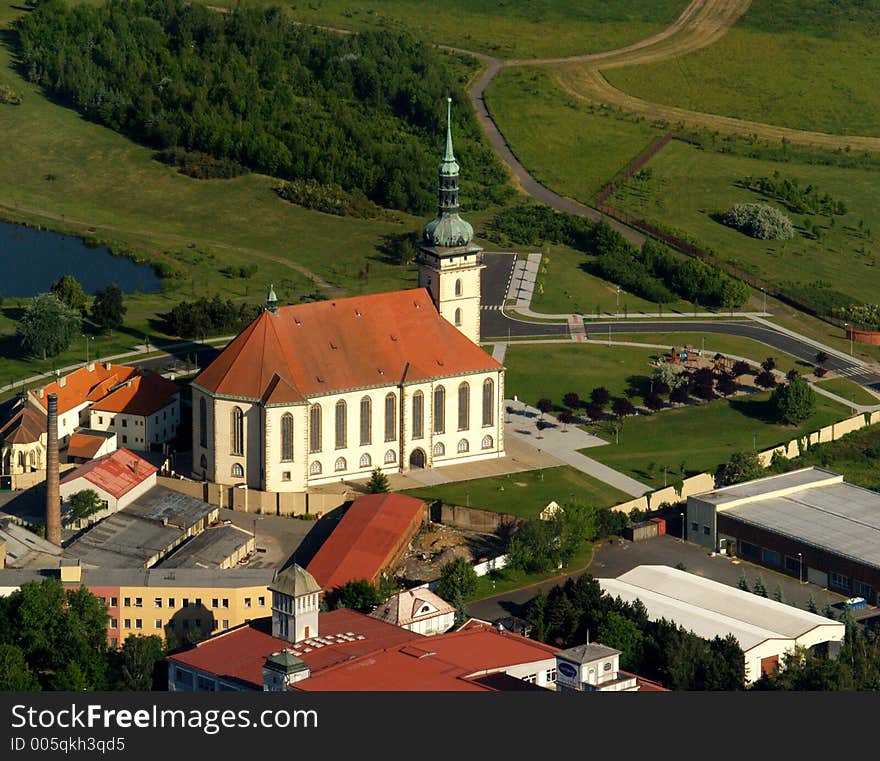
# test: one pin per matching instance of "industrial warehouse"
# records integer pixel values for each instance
(808, 523)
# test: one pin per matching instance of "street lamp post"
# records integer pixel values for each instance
(765, 300)
(800, 567)
(617, 312)
(682, 525)
(88, 338)
(847, 330)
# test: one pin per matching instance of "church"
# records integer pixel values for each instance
(327, 391)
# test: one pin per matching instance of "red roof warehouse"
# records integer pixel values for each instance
(370, 538)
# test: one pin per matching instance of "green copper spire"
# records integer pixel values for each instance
(448, 229)
(272, 299)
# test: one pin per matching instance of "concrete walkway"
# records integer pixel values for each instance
(523, 279)
(563, 443)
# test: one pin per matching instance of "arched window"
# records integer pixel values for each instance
(390, 457)
(463, 446)
(488, 402)
(458, 287)
(341, 424)
(203, 462)
(487, 442)
(439, 409)
(390, 417)
(237, 470)
(418, 415)
(22, 461)
(439, 449)
(464, 404)
(340, 464)
(458, 318)
(365, 462)
(366, 421)
(286, 437)
(315, 429)
(315, 469)
(236, 443)
(203, 422)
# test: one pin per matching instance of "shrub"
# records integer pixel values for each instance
(759, 220)
(794, 402)
(201, 166)
(329, 198)
(9, 96)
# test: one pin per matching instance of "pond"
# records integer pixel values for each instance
(31, 260)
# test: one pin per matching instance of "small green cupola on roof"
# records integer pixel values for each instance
(448, 229)
(272, 299)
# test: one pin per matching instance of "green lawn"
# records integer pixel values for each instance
(515, 28)
(849, 390)
(778, 65)
(855, 456)
(567, 144)
(702, 436)
(525, 494)
(507, 579)
(688, 186)
(569, 288)
(550, 371)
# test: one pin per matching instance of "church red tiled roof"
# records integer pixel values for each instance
(325, 347)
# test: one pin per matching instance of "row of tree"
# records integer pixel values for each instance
(364, 111)
(652, 272)
(209, 316)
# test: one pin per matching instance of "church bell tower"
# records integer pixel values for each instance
(449, 263)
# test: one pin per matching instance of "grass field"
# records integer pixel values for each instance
(849, 390)
(573, 367)
(808, 65)
(516, 28)
(688, 186)
(702, 436)
(525, 494)
(567, 144)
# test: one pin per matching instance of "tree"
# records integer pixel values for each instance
(566, 417)
(378, 483)
(759, 588)
(822, 357)
(654, 401)
(777, 593)
(794, 402)
(743, 582)
(571, 400)
(68, 289)
(680, 394)
(621, 633)
(85, 503)
(726, 385)
(544, 406)
(765, 379)
(811, 605)
(740, 368)
(47, 327)
(828, 611)
(600, 395)
(742, 466)
(666, 375)
(595, 411)
(769, 364)
(792, 374)
(136, 662)
(621, 407)
(108, 311)
(820, 372)
(359, 595)
(457, 579)
(15, 674)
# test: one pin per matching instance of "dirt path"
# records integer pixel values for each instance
(90, 227)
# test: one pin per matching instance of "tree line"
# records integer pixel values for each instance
(204, 317)
(652, 272)
(363, 111)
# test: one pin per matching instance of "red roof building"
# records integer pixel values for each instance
(87, 384)
(369, 540)
(141, 395)
(119, 478)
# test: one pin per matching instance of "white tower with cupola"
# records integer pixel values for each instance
(449, 263)
(296, 600)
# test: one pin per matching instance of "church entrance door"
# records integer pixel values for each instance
(417, 459)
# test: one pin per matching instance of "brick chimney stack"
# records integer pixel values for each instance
(53, 491)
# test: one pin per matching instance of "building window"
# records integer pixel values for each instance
(341, 424)
(126, 602)
(488, 402)
(285, 475)
(390, 457)
(127, 623)
(125, 422)
(114, 601)
(225, 624)
(458, 287)
(158, 623)
(237, 470)
(286, 437)
(707, 531)
(390, 417)
(215, 602)
(487, 442)
(365, 461)
(863, 590)
(439, 409)
(695, 527)
(247, 602)
(170, 602)
(203, 462)
(124, 439)
(236, 442)
(340, 464)
(464, 403)
(551, 675)
(315, 469)
(771, 557)
(315, 428)
(439, 449)
(531, 678)
(139, 602)
(793, 565)
(113, 623)
(366, 421)
(418, 415)
(458, 318)
(463, 446)
(748, 550)
(839, 581)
